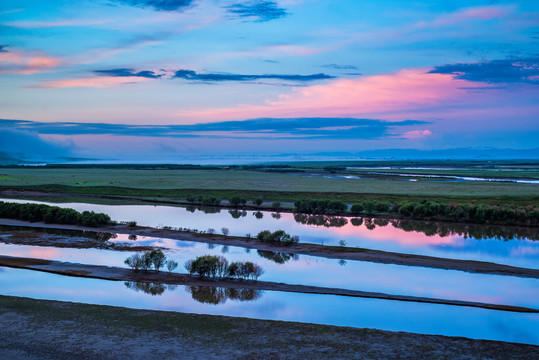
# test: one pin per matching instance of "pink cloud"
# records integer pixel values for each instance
(416, 134)
(24, 62)
(93, 82)
(482, 13)
(377, 95)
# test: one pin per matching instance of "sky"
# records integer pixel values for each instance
(181, 80)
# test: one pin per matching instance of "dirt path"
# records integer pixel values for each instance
(40, 329)
(122, 274)
(335, 252)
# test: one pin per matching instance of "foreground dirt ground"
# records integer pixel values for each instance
(39, 329)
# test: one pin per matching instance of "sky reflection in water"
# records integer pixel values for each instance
(523, 253)
(323, 309)
(318, 271)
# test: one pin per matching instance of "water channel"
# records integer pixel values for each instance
(305, 270)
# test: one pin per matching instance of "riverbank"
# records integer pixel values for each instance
(41, 329)
(122, 274)
(335, 252)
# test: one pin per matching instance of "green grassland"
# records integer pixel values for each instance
(519, 202)
(247, 180)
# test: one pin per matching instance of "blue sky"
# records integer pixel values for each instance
(290, 76)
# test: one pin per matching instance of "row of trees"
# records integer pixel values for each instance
(320, 207)
(470, 213)
(52, 214)
(211, 267)
(277, 237)
(234, 201)
(203, 200)
(150, 259)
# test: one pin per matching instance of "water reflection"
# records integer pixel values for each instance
(218, 295)
(320, 309)
(204, 209)
(236, 214)
(321, 220)
(499, 244)
(277, 257)
(149, 288)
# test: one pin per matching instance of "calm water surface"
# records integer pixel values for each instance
(306, 270)
(505, 250)
(318, 271)
(320, 309)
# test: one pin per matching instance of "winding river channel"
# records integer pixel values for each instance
(510, 246)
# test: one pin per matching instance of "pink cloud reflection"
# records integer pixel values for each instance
(391, 234)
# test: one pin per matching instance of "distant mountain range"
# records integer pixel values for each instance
(7, 158)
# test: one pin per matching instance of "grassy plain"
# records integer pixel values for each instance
(174, 186)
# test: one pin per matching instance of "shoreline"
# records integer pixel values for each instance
(34, 329)
(334, 252)
(15, 193)
(123, 274)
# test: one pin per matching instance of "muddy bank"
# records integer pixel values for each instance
(82, 240)
(335, 252)
(41, 329)
(122, 274)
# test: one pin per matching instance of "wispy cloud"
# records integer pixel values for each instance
(26, 62)
(159, 5)
(340, 67)
(128, 73)
(264, 128)
(366, 96)
(523, 70)
(257, 10)
(93, 82)
(475, 13)
(416, 134)
(192, 75)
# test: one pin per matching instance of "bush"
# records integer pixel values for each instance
(210, 267)
(258, 201)
(356, 208)
(153, 258)
(236, 200)
(277, 237)
(171, 265)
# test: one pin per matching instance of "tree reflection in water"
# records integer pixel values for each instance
(277, 257)
(321, 220)
(148, 287)
(218, 295)
(236, 214)
(429, 228)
